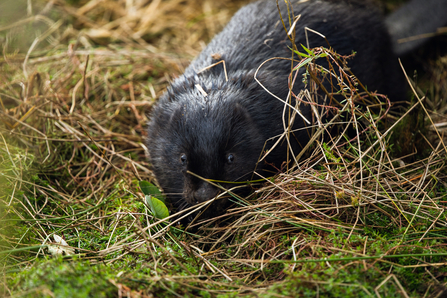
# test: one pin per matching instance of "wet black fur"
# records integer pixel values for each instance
(238, 116)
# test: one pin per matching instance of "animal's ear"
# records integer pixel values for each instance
(242, 120)
(177, 116)
(167, 121)
(241, 114)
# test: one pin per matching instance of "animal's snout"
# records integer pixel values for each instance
(205, 192)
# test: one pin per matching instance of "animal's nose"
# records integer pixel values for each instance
(205, 192)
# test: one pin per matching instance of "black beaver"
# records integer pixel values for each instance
(217, 129)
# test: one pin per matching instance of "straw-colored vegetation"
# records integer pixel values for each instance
(354, 218)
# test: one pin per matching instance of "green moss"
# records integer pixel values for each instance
(58, 278)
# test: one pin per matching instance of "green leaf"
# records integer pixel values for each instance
(309, 52)
(151, 190)
(158, 208)
(299, 53)
(302, 54)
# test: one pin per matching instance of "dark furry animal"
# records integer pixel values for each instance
(221, 134)
(415, 19)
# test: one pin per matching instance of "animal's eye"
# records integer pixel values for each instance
(183, 159)
(230, 158)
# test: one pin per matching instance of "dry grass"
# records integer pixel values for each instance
(73, 111)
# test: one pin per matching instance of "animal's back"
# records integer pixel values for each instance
(256, 33)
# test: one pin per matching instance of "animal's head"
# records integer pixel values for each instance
(213, 137)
